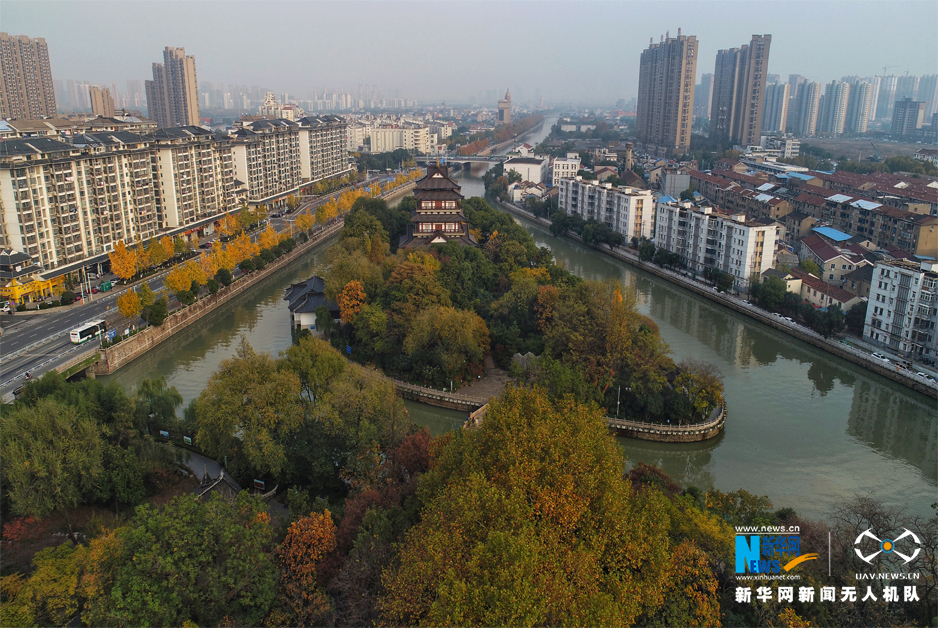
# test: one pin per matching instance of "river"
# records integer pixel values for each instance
(807, 429)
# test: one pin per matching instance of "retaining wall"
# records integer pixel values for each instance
(670, 433)
(834, 347)
(128, 350)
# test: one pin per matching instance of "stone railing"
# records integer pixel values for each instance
(671, 433)
(439, 398)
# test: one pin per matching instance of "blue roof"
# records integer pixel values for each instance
(799, 175)
(667, 199)
(833, 234)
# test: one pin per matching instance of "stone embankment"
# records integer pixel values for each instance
(851, 354)
(128, 350)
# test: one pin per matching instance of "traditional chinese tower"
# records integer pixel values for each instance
(438, 217)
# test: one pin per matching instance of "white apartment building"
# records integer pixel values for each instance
(903, 309)
(703, 238)
(193, 175)
(355, 135)
(411, 137)
(62, 203)
(323, 147)
(533, 169)
(266, 156)
(625, 210)
(272, 108)
(564, 167)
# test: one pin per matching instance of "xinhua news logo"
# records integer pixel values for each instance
(769, 553)
(868, 542)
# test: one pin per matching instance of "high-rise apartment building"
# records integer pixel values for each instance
(703, 96)
(808, 103)
(775, 116)
(858, 108)
(625, 210)
(903, 308)
(102, 104)
(666, 93)
(875, 82)
(739, 92)
(907, 87)
(833, 108)
(886, 97)
(928, 94)
(907, 116)
(173, 94)
(26, 88)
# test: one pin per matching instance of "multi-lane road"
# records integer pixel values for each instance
(38, 342)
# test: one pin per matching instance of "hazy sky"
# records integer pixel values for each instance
(571, 51)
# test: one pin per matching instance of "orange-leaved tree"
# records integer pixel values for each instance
(155, 252)
(143, 257)
(351, 300)
(269, 238)
(123, 261)
(302, 602)
(169, 247)
(177, 280)
(223, 256)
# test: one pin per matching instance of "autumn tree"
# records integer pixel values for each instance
(177, 280)
(249, 407)
(123, 261)
(302, 601)
(142, 257)
(702, 384)
(129, 304)
(527, 521)
(447, 341)
(156, 252)
(269, 237)
(351, 300)
(169, 247)
(146, 295)
(223, 256)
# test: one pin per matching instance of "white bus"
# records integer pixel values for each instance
(87, 332)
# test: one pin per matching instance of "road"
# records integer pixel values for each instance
(38, 342)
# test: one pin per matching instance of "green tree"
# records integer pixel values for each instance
(155, 404)
(249, 406)
(856, 317)
(192, 561)
(316, 364)
(771, 293)
(53, 456)
(703, 385)
(810, 266)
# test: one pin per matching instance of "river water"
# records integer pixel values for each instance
(805, 428)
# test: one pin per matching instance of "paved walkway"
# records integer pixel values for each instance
(491, 384)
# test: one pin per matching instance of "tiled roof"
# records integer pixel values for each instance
(837, 294)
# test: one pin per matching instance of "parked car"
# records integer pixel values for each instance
(5, 307)
(95, 290)
(880, 356)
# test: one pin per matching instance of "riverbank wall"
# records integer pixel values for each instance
(855, 356)
(128, 350)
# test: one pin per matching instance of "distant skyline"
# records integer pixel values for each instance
(572, 52)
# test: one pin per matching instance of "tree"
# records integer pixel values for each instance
(646, 251)
(688, 194)
(856, 317)
(249, 406)
(50, 596)
(351, 300)
(564, 540)
(771, 293)
(292, 203)
(810, 266)
(156, 252)
(52, 456)
(702, 384)
(308, 541)
(192, 562)
(317, 365)
(158, 312)
(447, 344)
(123, 261)
(129, 304)
(143, 257)
(146, 295)
(224, 276)
(268, 238)
(169, 248)
(177, 280)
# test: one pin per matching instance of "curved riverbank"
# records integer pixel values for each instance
(834, 347)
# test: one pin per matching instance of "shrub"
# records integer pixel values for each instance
(67, 297)
(277, 251)
(44, 306)
(259, 262)
(224, 277)
(268, 256)
(185, 297)
(247, 266)
(21, 307)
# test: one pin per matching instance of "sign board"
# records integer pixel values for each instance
(187, 440)
(259, 485)
(110, 334)
(164, 433)
(348, 349)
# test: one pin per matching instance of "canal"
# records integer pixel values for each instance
(805, 428)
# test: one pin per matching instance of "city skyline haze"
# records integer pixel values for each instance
(584, 52)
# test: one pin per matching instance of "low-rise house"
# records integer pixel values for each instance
(521, 190)
(834, 262)
(792, 283)
(858, 282)
(822, 294)
(533, 169)
(304, 299)
(798, 225)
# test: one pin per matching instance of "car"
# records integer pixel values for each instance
(95, 290)
(880, 356)
(921, 374)
(789, 319)
(5, 307)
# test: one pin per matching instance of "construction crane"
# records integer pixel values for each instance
(886, 67)
(876, 156)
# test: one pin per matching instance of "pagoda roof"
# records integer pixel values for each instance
(437, 178)
(437, 195)
(454, 217)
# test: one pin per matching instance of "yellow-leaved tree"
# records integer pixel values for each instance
(123, 261)
(129, 304)
(177, 279)
(269, 238)
(143, 257)
(351, 300)
(223, 256)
